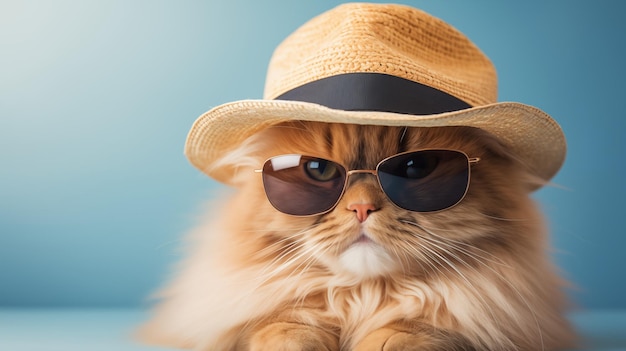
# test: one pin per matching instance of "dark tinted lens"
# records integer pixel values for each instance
(425, 181)
(302, 185)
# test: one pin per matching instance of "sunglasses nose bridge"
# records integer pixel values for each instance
(363, 171)
(359, 172)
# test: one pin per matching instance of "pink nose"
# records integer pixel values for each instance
(362, 210)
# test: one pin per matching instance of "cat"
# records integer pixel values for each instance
(476, 276)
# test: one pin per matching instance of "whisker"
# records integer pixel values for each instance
(426, 259)
(403, 134)
(498, 274)
(406, 258)
(311, 260)
(299, 233)
(503, 219)
(278, 230)
(459, 273)
(457, 245)
(291, 248)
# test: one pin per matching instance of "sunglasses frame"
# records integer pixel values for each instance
(470, 162)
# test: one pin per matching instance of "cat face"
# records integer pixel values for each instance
(366, 235)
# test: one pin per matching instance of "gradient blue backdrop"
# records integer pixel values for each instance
(96, 98)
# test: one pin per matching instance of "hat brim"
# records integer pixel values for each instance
(531, 134)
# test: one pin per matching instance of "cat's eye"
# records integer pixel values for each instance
(425, 181)
(413, 166)
(322, 170)
(419, 181)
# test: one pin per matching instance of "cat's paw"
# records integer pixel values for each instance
(387, 339)
(405, 341)
(284, 336)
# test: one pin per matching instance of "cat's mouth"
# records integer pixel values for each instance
(366, 258)
(363, 239)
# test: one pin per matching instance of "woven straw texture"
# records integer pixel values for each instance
(389, 39)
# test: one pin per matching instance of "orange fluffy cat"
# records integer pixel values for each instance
(471, 277)
(382, 202)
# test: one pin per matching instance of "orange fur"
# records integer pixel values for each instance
(473, 277)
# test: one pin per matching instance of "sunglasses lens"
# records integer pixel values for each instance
(425, 181)
(301, 185)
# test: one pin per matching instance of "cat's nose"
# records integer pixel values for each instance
(362, 210)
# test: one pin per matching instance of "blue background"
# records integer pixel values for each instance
(96, 99)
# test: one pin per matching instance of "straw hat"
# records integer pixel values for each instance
(374, 64)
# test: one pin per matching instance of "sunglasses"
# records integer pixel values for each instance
(419, 181)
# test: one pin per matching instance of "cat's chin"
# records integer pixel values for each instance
(364, 258)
